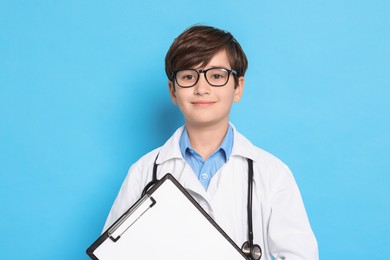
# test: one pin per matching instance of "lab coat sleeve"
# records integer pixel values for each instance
(290, 234)
(129, 193)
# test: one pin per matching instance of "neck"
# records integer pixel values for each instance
(205, 140)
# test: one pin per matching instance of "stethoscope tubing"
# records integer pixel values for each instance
(252, 247)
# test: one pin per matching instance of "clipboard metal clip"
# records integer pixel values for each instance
(128, 219)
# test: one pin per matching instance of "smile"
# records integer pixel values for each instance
(203, 103)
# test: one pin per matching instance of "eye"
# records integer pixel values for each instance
(217, 76)
(188, 77)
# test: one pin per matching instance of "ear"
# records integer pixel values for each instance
(238, 91)
(172, 91)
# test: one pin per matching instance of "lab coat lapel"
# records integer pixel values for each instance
(189, 181)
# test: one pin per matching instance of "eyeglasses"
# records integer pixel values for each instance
(216, 77)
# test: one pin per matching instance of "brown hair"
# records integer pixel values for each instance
(198, 44)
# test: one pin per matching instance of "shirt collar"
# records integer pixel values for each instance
(226, 145)
(242, 146)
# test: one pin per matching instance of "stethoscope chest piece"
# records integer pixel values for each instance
(253, 252)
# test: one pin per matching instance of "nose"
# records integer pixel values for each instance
(202, 87)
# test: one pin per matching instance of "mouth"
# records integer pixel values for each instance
(203, 103)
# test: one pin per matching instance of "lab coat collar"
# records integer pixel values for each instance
(171, 149)
(241, 147)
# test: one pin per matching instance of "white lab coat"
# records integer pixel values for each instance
(280, 223)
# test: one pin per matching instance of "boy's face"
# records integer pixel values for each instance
(203, 104)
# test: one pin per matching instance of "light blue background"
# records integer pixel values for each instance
(83, 95)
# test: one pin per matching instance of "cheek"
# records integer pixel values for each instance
(230, 97)
(179, 99)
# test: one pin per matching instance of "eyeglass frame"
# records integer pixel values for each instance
(229, 71)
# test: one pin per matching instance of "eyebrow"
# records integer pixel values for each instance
(213, 67)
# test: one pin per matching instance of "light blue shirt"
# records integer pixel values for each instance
(205, 170)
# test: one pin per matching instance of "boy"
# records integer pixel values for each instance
(212, 160)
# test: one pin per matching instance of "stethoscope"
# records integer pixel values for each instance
(253, 251)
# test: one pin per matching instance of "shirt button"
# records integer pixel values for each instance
(205, 176)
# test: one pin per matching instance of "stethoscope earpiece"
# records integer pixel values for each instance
(253, 252)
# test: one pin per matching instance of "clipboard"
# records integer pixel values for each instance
(166, 223)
